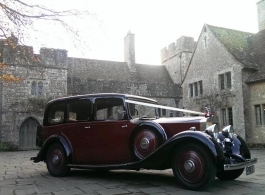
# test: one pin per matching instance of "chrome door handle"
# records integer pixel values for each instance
(123, 126)
(88, 127)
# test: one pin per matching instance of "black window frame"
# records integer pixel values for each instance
(191, 90)
(258, 114)
(200, 87)
(225, 80)
(222, 81)
(83, 115)
(227, 116)
(195, 89)
(108, 109)
(46, 121)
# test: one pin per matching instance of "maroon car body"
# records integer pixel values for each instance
(119, 131)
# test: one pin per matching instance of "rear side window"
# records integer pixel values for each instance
(79, 110)
(56, 113)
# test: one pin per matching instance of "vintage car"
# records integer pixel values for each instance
(119, 131)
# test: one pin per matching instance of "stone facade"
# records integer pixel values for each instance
(211, 59)
(176, 57)
(256, 133)
(53, 74)
(43, 77)
(226, 72)
(261, 14)
(255, 101)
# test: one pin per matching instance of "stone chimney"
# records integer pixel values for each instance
(261, 14)
(129, 51)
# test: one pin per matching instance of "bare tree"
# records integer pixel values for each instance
(18, 17)
(17, 20)
(214, 101)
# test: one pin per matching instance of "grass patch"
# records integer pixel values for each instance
(258, 146)
(5, 146)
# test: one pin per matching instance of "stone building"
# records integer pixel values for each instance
(216, 75)
(176, 57)
(97, 76)
(41, 76)
(53, 74)
(226, 73)
(223, 70)
(255, 102)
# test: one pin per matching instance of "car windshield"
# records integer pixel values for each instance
(142, 111)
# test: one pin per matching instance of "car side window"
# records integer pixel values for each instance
(109, 109)
(56, 113)
(79, 110)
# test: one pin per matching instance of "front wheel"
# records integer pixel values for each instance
(56, 160)
(193, 167)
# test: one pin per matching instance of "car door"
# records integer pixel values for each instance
(79, 114)
(110, 132)
(104, 138)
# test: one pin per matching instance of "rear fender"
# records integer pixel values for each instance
(53, 139)
(157, 126)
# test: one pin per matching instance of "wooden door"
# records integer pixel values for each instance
(27, 134)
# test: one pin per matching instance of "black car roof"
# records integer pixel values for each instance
(124, 96)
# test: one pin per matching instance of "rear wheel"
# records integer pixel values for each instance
(145, 142)
(56, 160)
(193, 167)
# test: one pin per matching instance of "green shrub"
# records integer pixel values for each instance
(260, 146)
(5, 146)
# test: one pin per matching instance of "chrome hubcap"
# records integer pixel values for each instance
(144, 143)
(55, 159)
(189, 166)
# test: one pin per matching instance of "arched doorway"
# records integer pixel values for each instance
(27, 134)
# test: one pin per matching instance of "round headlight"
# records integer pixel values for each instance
(228, 131)
(212, 130)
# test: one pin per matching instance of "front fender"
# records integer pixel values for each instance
(165, 151)
(52, 139)
(239, 146)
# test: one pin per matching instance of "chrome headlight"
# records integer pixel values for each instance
(212, 130)
(228, 131)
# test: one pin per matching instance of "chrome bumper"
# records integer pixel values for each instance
(249, 162)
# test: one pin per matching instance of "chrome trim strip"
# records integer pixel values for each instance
(228, 167)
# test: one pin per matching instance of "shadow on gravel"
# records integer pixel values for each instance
(135, 179)
(130, 176)
(150, 179)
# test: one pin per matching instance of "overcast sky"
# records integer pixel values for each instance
(155, 23)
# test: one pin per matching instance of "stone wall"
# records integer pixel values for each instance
(87, 76)
(17, 102)
(256, 97)
(211, 58)
(261, 14)
(176, 57)
(59, 76)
